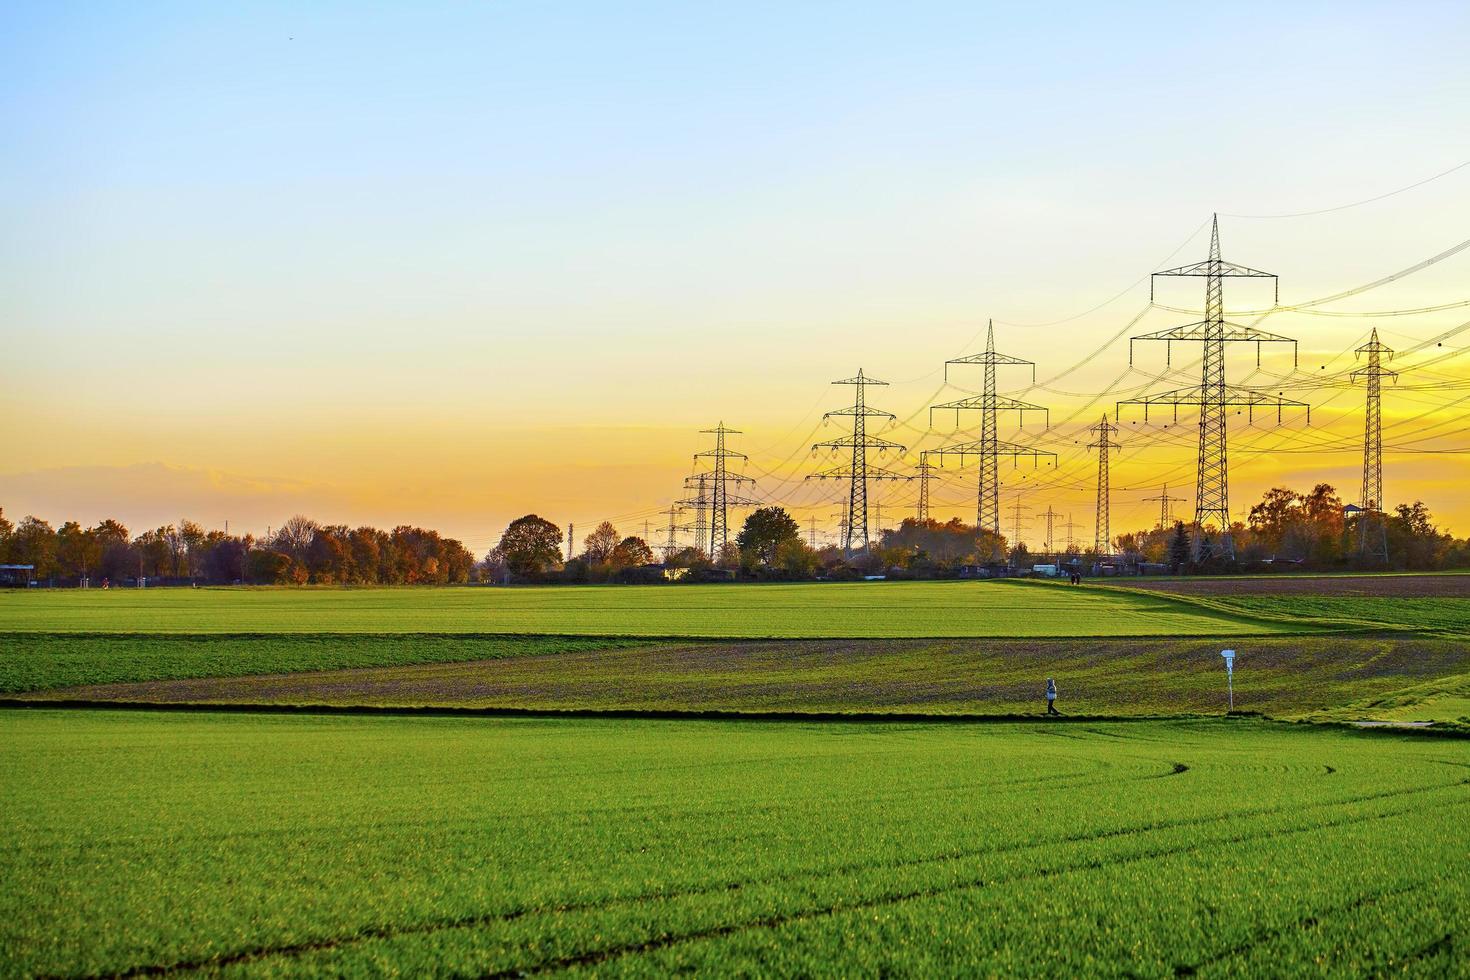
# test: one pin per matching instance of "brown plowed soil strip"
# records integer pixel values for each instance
(1399, 586)
(1279, 676)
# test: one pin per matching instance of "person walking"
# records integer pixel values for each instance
(1051, 697)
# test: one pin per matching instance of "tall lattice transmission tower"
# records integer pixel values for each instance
(989, 447)
(926, 473)
(670, 542)
(1051, 516)
(720, 478)
(1070, 527)
(1102, 535)
(1016, 509)
(699, 503)
(858, 472)
(1213, 395)
(1165, 511)
(1372, 528)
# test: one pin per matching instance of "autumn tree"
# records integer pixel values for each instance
(530, 546)
(765, 531)
(77, 550)
(598, 547)
(630, 552)
(33, 542)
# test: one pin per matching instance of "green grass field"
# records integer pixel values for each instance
(266, 845)
(833, 610)
(1437, 613)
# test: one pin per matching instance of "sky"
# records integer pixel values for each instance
(447, 264)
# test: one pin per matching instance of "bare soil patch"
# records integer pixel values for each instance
(1279, 676)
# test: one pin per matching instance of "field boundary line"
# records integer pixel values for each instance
(650, 714)
(714, 715)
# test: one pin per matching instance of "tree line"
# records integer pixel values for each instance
(1306, 529)
(301, 552)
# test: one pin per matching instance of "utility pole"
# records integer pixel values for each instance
(1165, 512)
(988, 448)
(1213, 396)
(1372, 528)
(1102, 539)
(1050, 516)
(926, 473)
(1069, 527)
(721, 500)
(858, 472)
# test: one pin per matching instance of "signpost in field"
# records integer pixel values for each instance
(1229, 656)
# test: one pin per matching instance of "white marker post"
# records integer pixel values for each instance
(1229, 656)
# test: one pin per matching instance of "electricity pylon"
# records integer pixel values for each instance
(926, 473)
(670, 544)
(1050, 515)
(812, 531)
(988, 447)
(1213, 395)
(1017, 507)
(720, 499)
(1165, 512)
(1069, 527)
(1102, 538)
(858, 472)
(1372, 528)
(700, 502)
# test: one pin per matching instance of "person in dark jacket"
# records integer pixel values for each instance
(1051, 697)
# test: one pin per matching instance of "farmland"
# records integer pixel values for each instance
(1144, 839)
(835, 610)
(1284, 677)
(146, 842)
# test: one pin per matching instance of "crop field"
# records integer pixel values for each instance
(819, 611)
(1390, 677)
(139, 842)
(41, 661)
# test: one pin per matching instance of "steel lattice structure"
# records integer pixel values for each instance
(1213, 396)
(1051, 516)
(926, 473)
(1102, 536)
(1372, 528)
(858, 472)
(1165, 512)
(720, 479)
(989, 448)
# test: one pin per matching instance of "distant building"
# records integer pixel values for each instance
(17, 575)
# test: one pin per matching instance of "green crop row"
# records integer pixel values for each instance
(36, 662)
(258, 845)
(818, 610)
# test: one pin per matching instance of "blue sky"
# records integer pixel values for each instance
(395, 250)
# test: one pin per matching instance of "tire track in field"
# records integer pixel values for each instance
(390, 931)
(1305, 922)
(596, 957)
